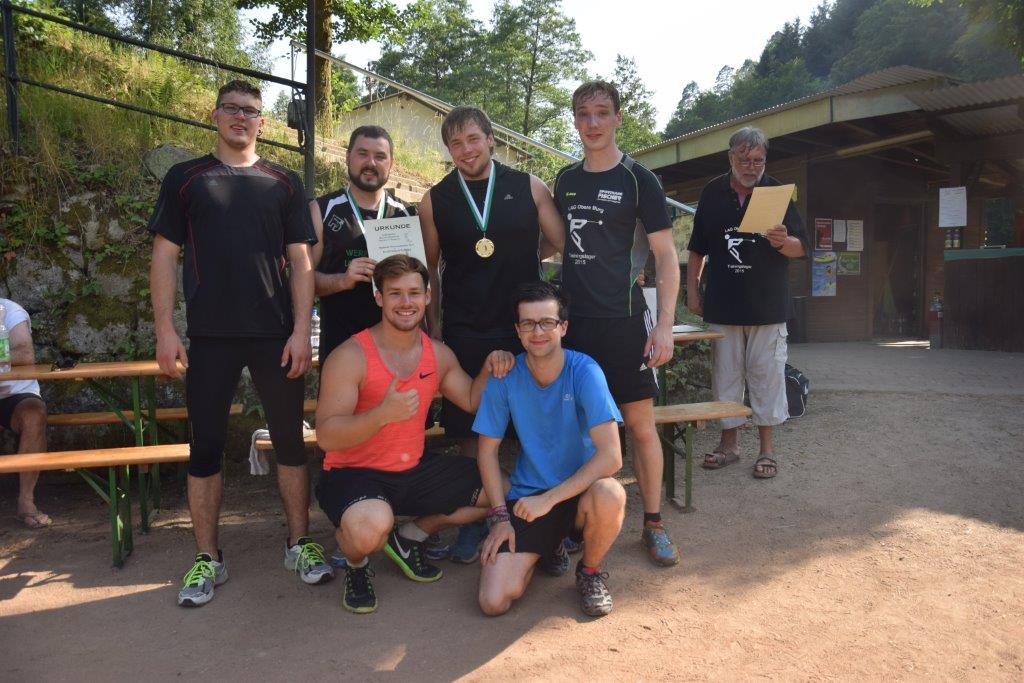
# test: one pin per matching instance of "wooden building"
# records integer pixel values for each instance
(874, 153)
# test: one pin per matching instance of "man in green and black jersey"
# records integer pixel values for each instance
(615, 216)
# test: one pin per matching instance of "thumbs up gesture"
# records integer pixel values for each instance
(398, 405)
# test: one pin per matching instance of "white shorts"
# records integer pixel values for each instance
(751, 358)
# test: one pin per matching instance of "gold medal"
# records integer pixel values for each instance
(484, 247)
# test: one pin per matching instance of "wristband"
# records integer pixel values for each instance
(497, 509)
(496, 518)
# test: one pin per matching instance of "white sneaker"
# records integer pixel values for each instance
(307, 558)
(197, 586)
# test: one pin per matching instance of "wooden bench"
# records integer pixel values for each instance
(310, 439)
(677, 421)
(112, 417)
(115, 489)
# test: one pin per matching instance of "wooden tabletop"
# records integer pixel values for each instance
(687, 337)
(42, 371)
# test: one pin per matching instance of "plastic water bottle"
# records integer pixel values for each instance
(5, 342)
(314, 332)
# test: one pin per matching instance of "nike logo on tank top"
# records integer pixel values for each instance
(398, 446)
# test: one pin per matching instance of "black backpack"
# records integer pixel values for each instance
(797, 389)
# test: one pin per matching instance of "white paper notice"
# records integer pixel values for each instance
(855, 235)
(838, 230)
(952, 207)
(389, 236)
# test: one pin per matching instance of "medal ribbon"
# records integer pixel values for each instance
(481, 219)
(358, 213)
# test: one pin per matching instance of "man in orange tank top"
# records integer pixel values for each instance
(375, 391)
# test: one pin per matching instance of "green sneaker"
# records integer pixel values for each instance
(359, 596)
(408, 555)
(197, 586)
(307, 558)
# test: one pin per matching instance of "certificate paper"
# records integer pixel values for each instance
(389, 236)
(766, 208)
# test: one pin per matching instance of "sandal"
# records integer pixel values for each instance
(34, 520)
(765, 468)
(718, 459)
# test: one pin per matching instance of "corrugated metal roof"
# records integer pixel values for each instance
(994, 91)
(986, 121)
(886, 78)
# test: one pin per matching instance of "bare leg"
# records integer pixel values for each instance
(28, 421)
(364, 529)
(293, 486)
(204, 495)
(648, 460)
(601, 511)
(729, 442)
(505, 581)
(767, 442)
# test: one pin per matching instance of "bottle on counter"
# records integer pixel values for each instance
(314, 332)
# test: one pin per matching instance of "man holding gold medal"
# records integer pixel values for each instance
(481, 230)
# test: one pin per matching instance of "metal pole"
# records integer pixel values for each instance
(11, 75)
(310, 148)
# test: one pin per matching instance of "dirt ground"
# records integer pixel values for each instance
(889, 546)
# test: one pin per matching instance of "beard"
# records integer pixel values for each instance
(378, 182)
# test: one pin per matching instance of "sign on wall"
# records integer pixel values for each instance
(952, 207)
(823, 274)
(822, 233)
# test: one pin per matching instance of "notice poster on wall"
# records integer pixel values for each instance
(838, 230)
(823, 274)
(822, 233)
(855, 235)
(849, 263)
(952, 207)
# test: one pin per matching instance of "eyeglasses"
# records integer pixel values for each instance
(750, 163)
(233, 109)
(546, 324)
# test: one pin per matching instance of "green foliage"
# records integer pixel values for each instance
(849, 38)
(514, 69)
(1004, 18)
(337, 20)
(638, 113)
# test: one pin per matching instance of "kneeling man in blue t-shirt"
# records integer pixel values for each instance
(562, 485)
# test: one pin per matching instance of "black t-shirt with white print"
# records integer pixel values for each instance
(235, 224)
(747, 279)
(346, 313)
(608, 215)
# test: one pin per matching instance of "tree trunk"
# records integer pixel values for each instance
(532, 78)
(322, 68)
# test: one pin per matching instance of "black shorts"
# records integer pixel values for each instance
(543, 535)
(437, 485)
(7, 406)
(471, 353)
(617, 344)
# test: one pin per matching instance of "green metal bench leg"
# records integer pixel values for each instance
(140, 440)
(154, 470)
(669, 473)
(688, 458)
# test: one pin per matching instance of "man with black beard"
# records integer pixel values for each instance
(343, 268)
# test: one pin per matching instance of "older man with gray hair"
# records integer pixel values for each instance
(747, 297)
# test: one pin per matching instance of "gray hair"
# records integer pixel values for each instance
(748, 137)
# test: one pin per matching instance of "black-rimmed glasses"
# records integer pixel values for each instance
(545, 324)
(233, 109)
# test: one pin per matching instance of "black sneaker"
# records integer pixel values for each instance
(557, 563)
(595, 600)
(359, 596)
(408, 555)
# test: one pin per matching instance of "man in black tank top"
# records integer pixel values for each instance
(481, 230)
(614, 210)
(343, 268)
